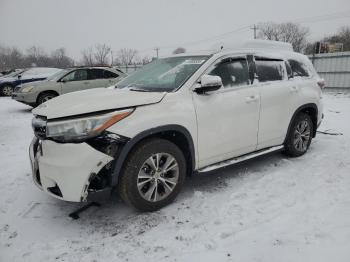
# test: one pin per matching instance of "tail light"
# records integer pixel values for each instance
(321, 83)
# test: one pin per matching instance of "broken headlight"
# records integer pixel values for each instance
(80, 129)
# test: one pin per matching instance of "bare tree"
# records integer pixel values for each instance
(10, 58)
(287, 32)
(88, 57)
(36, 56)
(101, 54)
(179, 50)
(146, 60)
(60, 59)
(126, 56)
(342, 36)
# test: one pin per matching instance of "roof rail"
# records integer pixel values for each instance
(86, 66)
(269, 44)
(256, 44)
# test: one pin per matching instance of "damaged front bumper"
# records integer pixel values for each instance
(73, 171)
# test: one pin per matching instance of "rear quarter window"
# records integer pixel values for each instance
(109, 74)
(299, 69)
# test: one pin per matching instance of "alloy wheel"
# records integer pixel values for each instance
(47, 98)
(7, 90)
(158, 177)
(302, 136)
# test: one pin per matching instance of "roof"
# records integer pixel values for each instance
(267, 46)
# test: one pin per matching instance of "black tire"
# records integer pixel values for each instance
(6, 90)
(292, 147)
(127, 186)
(45, 97)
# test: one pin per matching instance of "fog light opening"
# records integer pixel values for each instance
(55, 190)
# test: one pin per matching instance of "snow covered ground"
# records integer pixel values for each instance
(267, 209)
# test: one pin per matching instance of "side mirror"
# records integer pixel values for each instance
(19, 76)
(63, 80)
(208, 83)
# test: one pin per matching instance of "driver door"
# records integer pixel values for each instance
(75, 81)
(228, 118)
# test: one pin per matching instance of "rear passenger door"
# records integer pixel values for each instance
(96, 78)
(278, 100)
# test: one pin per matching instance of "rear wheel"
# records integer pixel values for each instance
(153, 175)
(7, 90)
(45, 97)
(300, 135)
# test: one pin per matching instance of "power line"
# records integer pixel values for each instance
(313, 19)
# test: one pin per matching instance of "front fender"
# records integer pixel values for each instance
(148, 133)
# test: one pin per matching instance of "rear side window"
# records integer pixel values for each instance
(233, 72)
(269, 70)
(95, 74)
(77, 75)
(298, 68)
(109, 74)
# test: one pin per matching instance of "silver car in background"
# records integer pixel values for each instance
(66, 81)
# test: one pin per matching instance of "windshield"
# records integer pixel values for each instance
(58, 75)
(164, 74)
(13, 74)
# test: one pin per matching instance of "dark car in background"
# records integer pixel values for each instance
(10, 81)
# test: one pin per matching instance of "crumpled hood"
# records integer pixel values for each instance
(95, 100)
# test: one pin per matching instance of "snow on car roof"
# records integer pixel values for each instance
(273, 48)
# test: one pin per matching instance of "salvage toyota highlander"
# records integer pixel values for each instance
(176, 116)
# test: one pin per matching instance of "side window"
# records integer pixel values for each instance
(269, 70)
(109, 74)
(77, 75)
(298, 68)
(233, 72)
(95, 74)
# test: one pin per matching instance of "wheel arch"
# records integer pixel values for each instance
(46, 92)
(310, 109)
(177, 134)
(7, 84)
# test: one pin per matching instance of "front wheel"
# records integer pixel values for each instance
(153, 175)
(299, 136)
(45, 97)
(7, 90)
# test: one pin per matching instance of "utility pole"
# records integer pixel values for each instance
(157, 50)
(255, 28)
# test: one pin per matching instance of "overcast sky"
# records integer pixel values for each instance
(144, 25)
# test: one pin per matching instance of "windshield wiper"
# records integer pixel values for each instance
(137, 89)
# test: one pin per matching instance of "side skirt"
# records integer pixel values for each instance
(240, 159)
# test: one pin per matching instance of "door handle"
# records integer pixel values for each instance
(86, 83)
(251, 99)
(294, 89)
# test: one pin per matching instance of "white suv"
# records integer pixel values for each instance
(176, 116)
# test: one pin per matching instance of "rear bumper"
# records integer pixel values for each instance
(65, 170)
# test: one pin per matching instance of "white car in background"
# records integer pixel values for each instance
(176, 116)
(66, 81)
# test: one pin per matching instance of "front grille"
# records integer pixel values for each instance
(39, 126)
